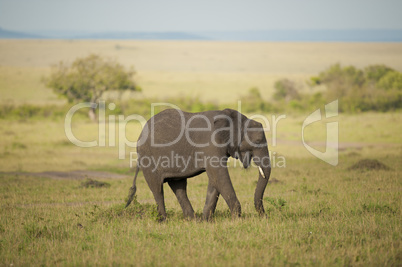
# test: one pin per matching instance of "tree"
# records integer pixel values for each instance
(253, 102)
(285, 89)
(392, 80)
(87, 78)
(340, 81)
(374, 73)
(376, 87)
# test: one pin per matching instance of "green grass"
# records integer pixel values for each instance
(316, 214)
(41, 144)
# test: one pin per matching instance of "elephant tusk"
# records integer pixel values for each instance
(262, 173)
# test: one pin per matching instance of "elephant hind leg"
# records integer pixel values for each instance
(179, 188)
(157, 191)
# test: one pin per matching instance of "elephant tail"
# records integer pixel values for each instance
(133, 189)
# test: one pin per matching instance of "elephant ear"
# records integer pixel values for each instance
(228, 131)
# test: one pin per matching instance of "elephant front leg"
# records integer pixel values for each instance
(210, 202)
(219, 177)
(179, 188)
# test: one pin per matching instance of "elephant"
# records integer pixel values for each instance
(175, 145)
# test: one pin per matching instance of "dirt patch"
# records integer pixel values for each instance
(341, 146)
(90, 183)
(74, 175)
(353, 154)
(273, 180)
(369, 164)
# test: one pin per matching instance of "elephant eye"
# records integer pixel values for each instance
(256, 140)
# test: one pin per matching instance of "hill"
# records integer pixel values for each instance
(142, 36)
(305, 35)
(6, 34)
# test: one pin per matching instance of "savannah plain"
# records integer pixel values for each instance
(317, 214)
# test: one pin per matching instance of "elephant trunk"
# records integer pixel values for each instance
(264, 173)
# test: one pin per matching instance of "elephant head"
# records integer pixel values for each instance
(245, 139)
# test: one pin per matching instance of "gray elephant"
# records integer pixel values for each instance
(176, 145)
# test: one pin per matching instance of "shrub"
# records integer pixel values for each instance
(376, 87)
(391, 80)
(253, 102)
(28, 111)
(286, 90)
(374, 73)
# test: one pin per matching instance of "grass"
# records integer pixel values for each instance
(23, 85)
(34, 144)
(314, 217)
(316, 214)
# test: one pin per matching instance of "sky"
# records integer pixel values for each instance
(198, 15)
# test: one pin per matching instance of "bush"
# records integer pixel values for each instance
(391, 80)
(134, 106)
(376, 87)
(286, 90)
(28, 111)
(374, 73)
(253, 102)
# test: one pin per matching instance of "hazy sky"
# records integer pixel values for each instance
(200, 15)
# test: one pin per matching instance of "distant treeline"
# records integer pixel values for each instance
(374, 88)
(133, 106)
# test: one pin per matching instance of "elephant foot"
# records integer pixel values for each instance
(161, 219)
